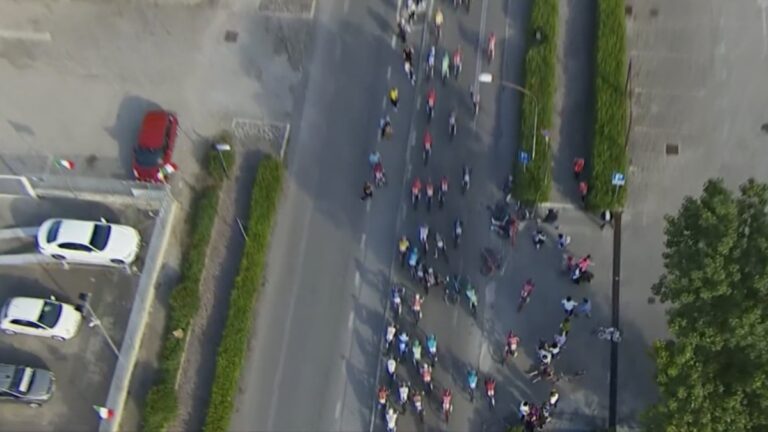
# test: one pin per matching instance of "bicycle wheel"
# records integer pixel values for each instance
(602, 334)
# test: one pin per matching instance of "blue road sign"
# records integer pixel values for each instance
(524, 158)
(618, 179)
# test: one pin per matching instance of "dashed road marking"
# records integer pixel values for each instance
(389, 75)
(351, 320)
(362, 242)
(338, 409)
(357, 278)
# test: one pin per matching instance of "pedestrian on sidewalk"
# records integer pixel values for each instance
(578, 168)
(569, 305)
(563, 240)
(605, 218)
(394, 97)
(565, 326)
(585, 308)
(583, 190)
(367, 192)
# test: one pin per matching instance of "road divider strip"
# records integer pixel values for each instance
(233, 346)
(609, 153)
(161, 405)
(533, 163)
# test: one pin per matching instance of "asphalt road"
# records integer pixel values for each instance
(315, 353)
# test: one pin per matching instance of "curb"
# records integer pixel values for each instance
(121, 378)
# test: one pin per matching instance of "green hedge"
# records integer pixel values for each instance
(533, 182)
(609, 154)
(161, 405)
(234, 340)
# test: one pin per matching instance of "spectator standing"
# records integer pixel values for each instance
(605, 218)
(569, 305)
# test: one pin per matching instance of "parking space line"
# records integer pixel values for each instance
(25, 35)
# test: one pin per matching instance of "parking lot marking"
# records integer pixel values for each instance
(25, 35)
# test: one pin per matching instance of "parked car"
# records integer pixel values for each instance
(25, 384)
(88, 242)
(153, 155)
(40, 317)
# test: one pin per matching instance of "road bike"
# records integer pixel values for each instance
(608, 334)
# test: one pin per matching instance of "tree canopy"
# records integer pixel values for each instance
(713, 373)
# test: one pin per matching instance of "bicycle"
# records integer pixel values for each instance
(608, 334)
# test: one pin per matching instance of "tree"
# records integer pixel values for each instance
(713, 372)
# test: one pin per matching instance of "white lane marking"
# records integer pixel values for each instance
(357, 278)
(764, 5)
(350, 320)
(384, 101)
(368, 206)
(394, 41)
(338, 409)
(484, 364)
(346, 6)
(25, 35)
(362, 242)
(389, 74)
(312, 9)
(456, 313)
(397, 9)
(289, 316)
(418, 102)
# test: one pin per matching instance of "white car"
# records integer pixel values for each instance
(40, 317)
(88, 242)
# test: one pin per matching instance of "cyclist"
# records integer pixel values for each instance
(452, 124)
(390, 336)
(447, 405)
(443, 191)
(431, 101)
(415, 191)
(440, 247)
(438, 22)
(386, 127)
(397, 301)
(475, 96)
(430, 188)
(491, 46)
(432, 347)
(472, 382)
(402, 344)
(446, 67)
(394, 97)
(416, 307)
(402, 247)
(431, 62)
(426, 376)
(427, 145)
(379, 177)
(431, 280)
(403, 393)
(391, 420)
(382, 396)
(490, 390)
(525, 293)
(416, 352)
(457, 231)
(472, 297)
(457, 62)
(374, 158)
(391, 369)
(423, 234)
(510, 349)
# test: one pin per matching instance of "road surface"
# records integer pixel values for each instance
(315, 358)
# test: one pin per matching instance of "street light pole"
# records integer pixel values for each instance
(94, 321)
(488, 78)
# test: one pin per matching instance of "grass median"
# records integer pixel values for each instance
(533, 180)
(234, 341)
(609, 153)
(161, 405)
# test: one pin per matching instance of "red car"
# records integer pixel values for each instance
(152, 158)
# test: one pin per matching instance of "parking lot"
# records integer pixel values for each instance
(83, 365)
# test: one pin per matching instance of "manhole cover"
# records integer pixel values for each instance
(654, 12)
(672, 149)
(230, 36)
(628, 10)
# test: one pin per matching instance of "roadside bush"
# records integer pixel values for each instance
(236, 334)
(609, 153)
(161, 405)
(533, 182)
